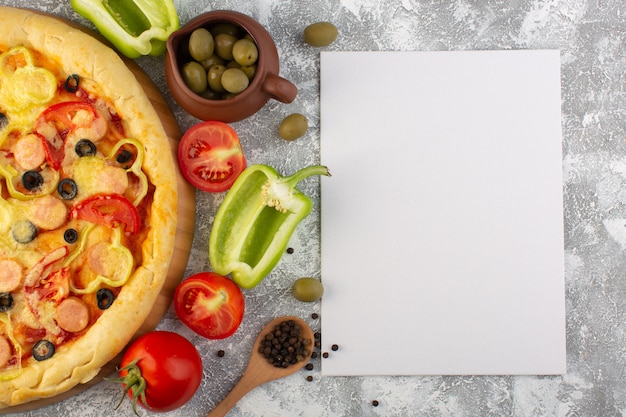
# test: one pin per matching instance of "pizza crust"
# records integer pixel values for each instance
(82, 54)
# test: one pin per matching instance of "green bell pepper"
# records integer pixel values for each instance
(255, 222)
(134, 27)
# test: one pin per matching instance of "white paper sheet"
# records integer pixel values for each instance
(442, 223)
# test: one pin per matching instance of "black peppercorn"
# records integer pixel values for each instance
(375, 403)
(220, 353)
(285, 345)
(335, 347)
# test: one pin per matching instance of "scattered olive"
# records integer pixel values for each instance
(70, 235)
(105, 298)
(4, 121)
(71, 83)
(24, 231)
(32, 180)
(67, 189)
(124, 156)
(6, 301)
(85, 147)
(320, 34)
(201, 44)
(43, 350)
(293, 126)
(307, 289)
(195, 76)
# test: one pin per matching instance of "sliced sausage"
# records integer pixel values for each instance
(48, 212)
(72, 315)
(5, 352)
(29, 152)
(11, 274)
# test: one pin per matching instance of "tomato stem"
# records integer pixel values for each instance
(133, 382)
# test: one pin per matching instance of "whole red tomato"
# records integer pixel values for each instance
(161, 371)
(210, 156)
(210, 304)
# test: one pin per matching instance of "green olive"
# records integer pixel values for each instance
(212, 60)
(215, 78)
(245, 52)
(195, 77)
(293, 126)
(201, 44)
(224, 27)
(320, 34)
(234, 80)
(249, 70)
(224, 46)
(307, 289)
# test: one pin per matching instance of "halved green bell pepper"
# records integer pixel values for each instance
(134, 27)
(255, 222)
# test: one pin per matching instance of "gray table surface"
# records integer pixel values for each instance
(591, 36)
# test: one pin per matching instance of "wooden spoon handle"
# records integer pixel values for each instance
(247, 382)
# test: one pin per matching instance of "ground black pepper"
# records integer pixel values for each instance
(285, 345)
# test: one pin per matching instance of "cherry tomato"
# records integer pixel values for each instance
(210, 304)
(210, 156)
(161, 371)
(108, 210)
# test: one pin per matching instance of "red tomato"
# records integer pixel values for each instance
(107, 210)
(210, 304)
(210, 156)
(168, 364)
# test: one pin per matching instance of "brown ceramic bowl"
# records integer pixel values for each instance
(265, 84)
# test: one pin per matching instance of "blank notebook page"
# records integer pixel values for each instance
(442, 223)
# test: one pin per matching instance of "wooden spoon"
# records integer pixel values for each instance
(259, 370)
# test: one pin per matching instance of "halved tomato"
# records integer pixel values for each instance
(210, 156)
(211, 305)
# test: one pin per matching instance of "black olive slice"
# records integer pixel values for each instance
(24, 231)
(105, 298)
(67, 189)
(4, 121)
(85, 147)
(71, 83)
(32, 180)
(43, 350)
(124, 156)
(6, 301)
(70, 235)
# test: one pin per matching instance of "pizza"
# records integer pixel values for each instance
(88, 206)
